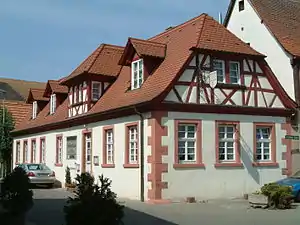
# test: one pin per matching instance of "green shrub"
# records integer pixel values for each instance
(279, 196)
(16, 196)
(68, 176)
(93, 204)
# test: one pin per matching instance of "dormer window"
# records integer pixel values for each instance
(96, 90)
(241, 5)
(52, 103)
(219, 66)
(232, 76)
(137, 74)
(34, 109)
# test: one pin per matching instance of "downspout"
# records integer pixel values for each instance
(142, 176)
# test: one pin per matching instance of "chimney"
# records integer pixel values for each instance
(220, 18)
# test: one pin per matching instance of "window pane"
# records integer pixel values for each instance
(181, 144)
(230, 151)
(181, 134)
(266, 156)
(181, 128)
(191, 144)
(181, 150)
(181, 157)
(191, 157)
(222, 144)
(191, 150)
(191, 135)
(221, 129)
(229, 144)
(230, 157)
(221, 157)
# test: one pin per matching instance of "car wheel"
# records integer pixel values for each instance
(297, 199)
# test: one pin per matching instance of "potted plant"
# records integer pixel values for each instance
(93, 204)
(16, 197)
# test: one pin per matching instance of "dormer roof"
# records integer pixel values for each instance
(54, 87)
(36, 95)
(142, 48)
(103, 61)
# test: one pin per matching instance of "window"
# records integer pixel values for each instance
(59, 151)
(109, 146)
(264, 144)
(71, 147)
(75, 95)
(241, 5)
(25, 151)
(34, 109)
(88, 146)
(133, 145)
(234, 72)
(80, 93)
(96, 91)
(42, 150)
(18, 152)
(186, 143)
(137, 75)
(227, 144)
(52, 103)
(33, 151)
(219, 66)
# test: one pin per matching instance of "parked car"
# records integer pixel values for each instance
(39, 173)
(294, 182)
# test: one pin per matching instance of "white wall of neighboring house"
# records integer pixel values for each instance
(211, 182)
(248, 27)
(125, 181)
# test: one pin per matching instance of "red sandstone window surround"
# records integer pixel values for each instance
(264, 145)
(131, 145)
(25, 151)
(18, 152)
(59, 151)
(188, 144)
(42, 150)
(108, 147)
(33, 150)
(227, 144)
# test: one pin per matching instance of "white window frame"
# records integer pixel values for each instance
(185, 140)
(18, 151)
(33, 149)
(220, 68)
(59, 150)
(52, 103)
(75, 95)
(34, 109)
(238, 71)
(25, 151)
(43, 150)
(109, 135)
(263, 142)
(94, 91)
(226, 140)
(80, 99)
(88, 151)
(133, 144)
(137, 75)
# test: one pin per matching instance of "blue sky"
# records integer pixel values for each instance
(47, 39)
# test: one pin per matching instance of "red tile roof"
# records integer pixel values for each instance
(56, 87)
(202, 32)
(282, 17)
(103, 61)
(36, 95)
(20, 111)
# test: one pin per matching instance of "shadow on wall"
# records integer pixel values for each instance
(50, 212)
(247, 159)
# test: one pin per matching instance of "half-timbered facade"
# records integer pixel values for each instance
(193, 105)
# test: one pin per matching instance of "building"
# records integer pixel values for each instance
(192, 105)
(13, 95)
(272, 28)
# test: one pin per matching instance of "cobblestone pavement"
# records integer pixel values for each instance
(48, 210)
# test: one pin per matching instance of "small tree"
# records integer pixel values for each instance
(6, 140)
(16, 196)
(68, 176)
(93, 204)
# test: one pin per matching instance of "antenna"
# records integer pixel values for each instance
(220, 18)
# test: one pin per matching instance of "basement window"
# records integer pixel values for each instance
(241, 5)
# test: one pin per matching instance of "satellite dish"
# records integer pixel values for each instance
(213, 79)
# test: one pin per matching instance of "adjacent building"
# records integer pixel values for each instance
(190, 112)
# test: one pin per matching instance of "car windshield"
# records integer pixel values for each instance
(37, 167)
(296, 175)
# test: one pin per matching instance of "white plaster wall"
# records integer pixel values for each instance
(214, 182)
(125, 181)
(259, 37)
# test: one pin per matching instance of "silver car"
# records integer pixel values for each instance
(39, 173)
